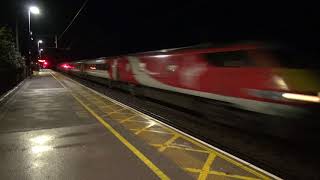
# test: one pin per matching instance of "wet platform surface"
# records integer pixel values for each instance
(55, 128)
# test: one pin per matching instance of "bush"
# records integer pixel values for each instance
(12, 64)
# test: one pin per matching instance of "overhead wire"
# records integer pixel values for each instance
(74, 18)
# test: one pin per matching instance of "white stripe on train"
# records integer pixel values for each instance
(98, 73)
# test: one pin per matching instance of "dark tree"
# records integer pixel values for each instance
(12, 64)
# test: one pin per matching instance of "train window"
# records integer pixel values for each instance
(78, 66)
(91, 67)
(102, 66)
(97, 66)
(229, 59)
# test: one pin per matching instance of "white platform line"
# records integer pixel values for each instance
(11, 91)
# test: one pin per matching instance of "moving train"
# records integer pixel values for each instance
(244, 85)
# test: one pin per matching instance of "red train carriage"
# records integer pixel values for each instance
(244, 77)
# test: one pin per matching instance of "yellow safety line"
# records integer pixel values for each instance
(228, 159)
(206, 167)
(181, 148)
(151, 130)
(145, 128)
(193, 170)
(116, 111)
(141, 156)
(128, 119)
(58, 80)
(166, 144)
(188, 149)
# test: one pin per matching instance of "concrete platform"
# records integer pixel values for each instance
(54, 128)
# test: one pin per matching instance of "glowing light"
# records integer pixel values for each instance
(152, 123)
(41, 139)
(280, 82)
(34, 10)
(100, 60)
(41, 60)
(40, 41)
(40, 149)
(301, 97)
(162, 56)
(45, 63)
(93, 68)
(66, 66)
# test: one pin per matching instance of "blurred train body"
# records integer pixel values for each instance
(244, 85)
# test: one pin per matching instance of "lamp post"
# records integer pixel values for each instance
(40, 51)
(32, 10)
(39, 42)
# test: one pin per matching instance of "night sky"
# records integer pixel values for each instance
(113, 27)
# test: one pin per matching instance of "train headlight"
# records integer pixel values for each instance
(301, 97)
(283, 96)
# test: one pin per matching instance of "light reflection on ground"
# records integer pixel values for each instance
(41, 139)
(40, 149)
(39, 142)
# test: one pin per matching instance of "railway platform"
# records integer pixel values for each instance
(52, 127)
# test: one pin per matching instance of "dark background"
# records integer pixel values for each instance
(114, 27)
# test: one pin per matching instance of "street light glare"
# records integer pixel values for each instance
(40, 41)
(34, 10)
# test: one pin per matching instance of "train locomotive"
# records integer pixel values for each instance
(244, 85)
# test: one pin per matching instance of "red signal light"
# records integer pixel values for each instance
(66, 66)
